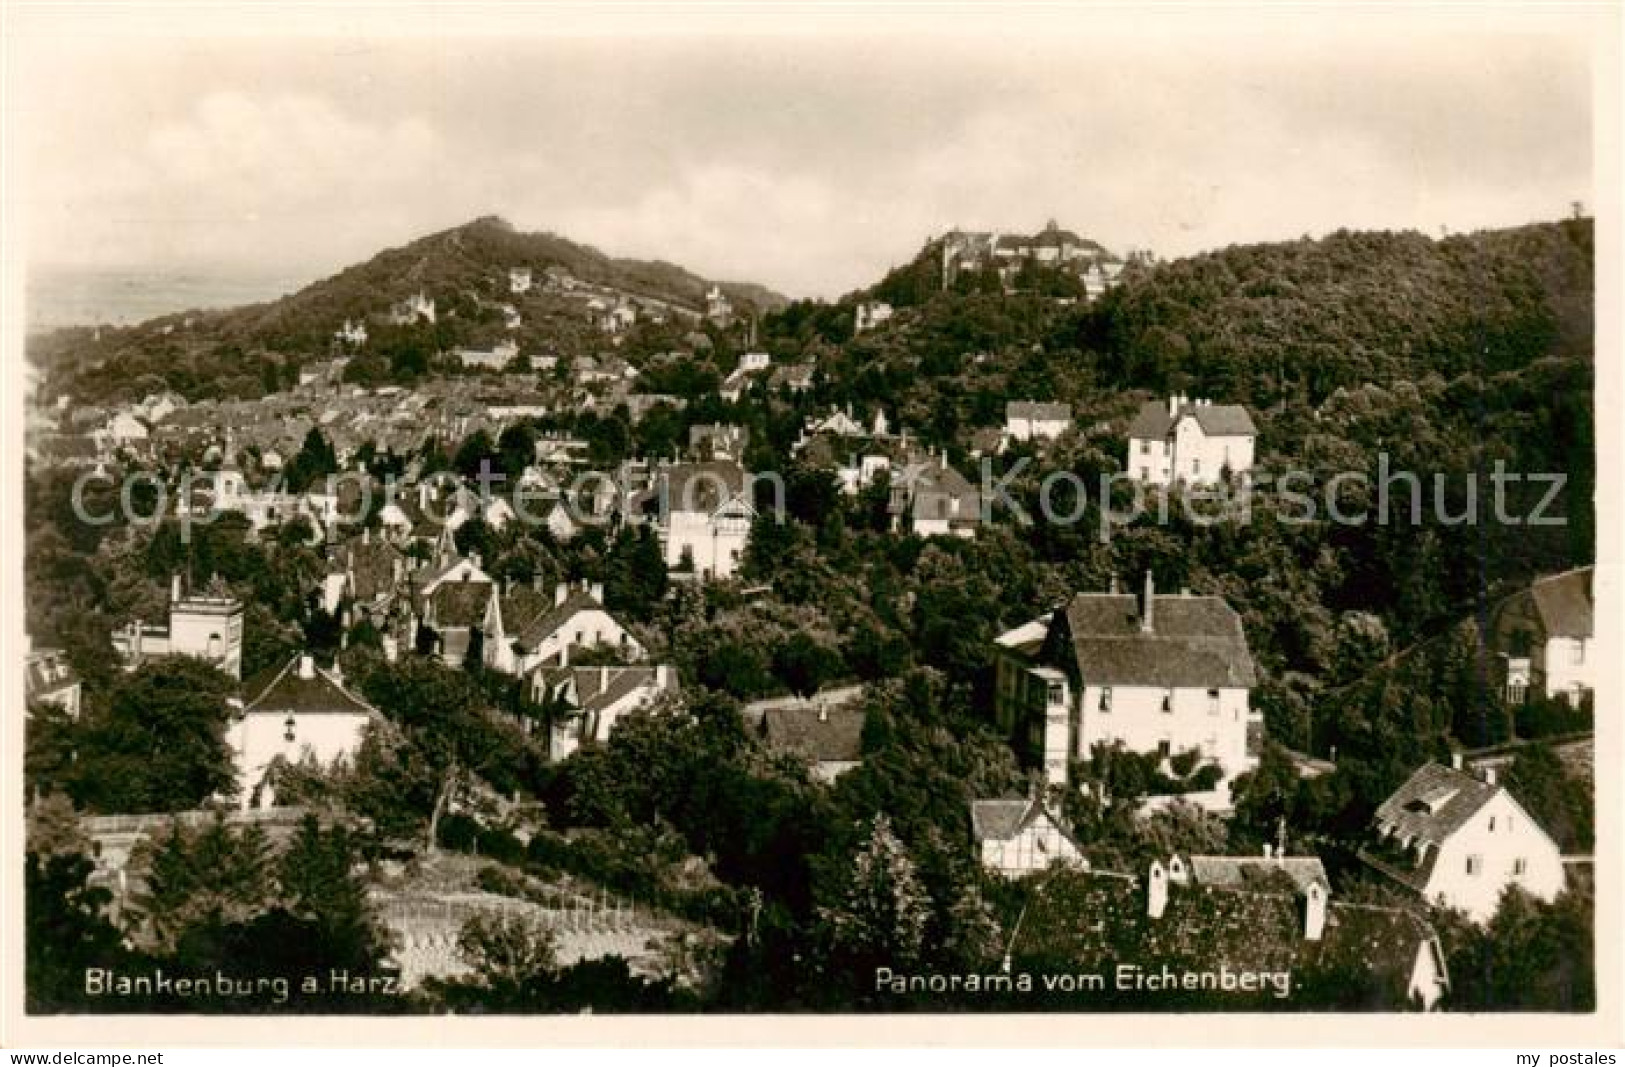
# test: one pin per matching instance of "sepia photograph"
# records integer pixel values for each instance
(708, 513)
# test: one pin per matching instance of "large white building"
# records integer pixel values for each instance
(1458, 840)
(1161, 673)
(1543, 638)
(1192, 441)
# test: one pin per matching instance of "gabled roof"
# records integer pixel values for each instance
(521, 607)
(1195, 642)
(1216, 420)
(1564, 603)
(1039, 410)
(702, 486)
(829, 735)
(596, 688)
(47, 673)
(543, 625)
(458, 604)
(1094, 920)
(1001, 820)
(1434, 803)
(1296, 873)
(282, 690)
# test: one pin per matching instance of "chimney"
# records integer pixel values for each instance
(1173, 406)
(1269, 850)
(175, 588)
(1114, 585)
(823, 713)
(1489, 775)
(560, 593)
(307, 666)
(597, 591)
(1314, 911)
(1455, 759)
(1156, 899)
(1148, 609)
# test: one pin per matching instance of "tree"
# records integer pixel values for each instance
(508, 949)
(882, 910)
(65, 931)
(440, 713)
(315, 460)
(160, 745)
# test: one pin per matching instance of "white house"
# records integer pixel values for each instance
(1458, 840)
(869, 314)
(1163, 673)
(1016, 838)
(1036, 420)
(519, 280)
(1193, 441)
(525, 628)
(584, 704)
(294, 713)
(48, 679)
(704, 515)
(1543, 638)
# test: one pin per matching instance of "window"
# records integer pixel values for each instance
(1212, 701)
(1578, 653)
(1492, 824)
(1165, 748)
(1106, 699)
(1145, 448)
(1475, 864)
(1057, 693)
(1145, 474)
(1196, 465)
(1520, 867)
(1168, 702)
(1517, 692)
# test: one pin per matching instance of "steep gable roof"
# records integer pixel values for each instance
(283, 690)
(1195, 642)
(547, 623)
(1217, 420)
(1040, 410)
(1564, 602)
(1003, 819)
(459, 604)
(1434, 803)
(829, 735)
(593, 689)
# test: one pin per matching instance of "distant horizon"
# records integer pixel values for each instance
(270, 284)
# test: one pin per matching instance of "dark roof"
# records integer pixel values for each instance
(1153, 420)
(458, 604)
(522, 606)
(596, 688)
(47, 673)
(1564, 602)
(371, 565)
(1434, 803)
(1195, 641)
(702, 486)
(1001, 820)
(281, 689)
(1037, 409)
(1364, 958)
(1293, 873)
(837, 737)
(545, 624)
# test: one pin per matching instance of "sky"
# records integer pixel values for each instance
(809, 161)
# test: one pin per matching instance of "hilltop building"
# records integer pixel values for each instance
(584, 704)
